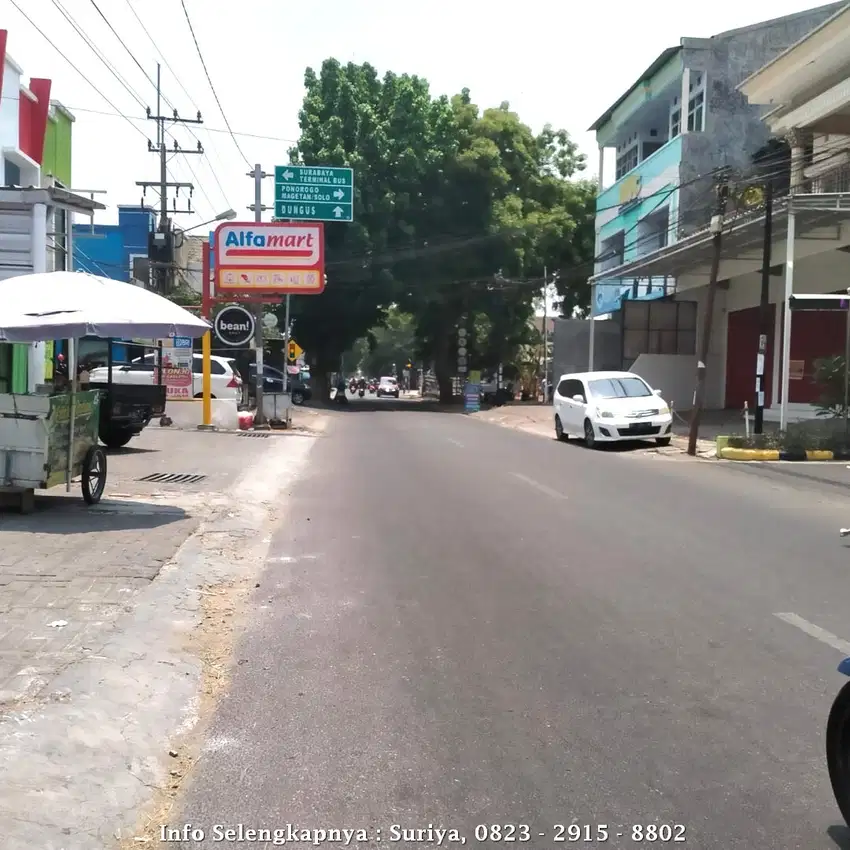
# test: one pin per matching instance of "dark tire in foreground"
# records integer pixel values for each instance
(94, 475)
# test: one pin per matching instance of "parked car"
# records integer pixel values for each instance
(226, 381)
(299, 389)
(609, 406)
(388, 386)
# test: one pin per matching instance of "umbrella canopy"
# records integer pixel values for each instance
(69, 305)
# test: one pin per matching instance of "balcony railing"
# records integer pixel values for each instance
(638, 183)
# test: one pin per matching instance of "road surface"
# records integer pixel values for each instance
(467, 626)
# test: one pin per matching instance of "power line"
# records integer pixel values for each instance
(90, 44)
(41, 32)
(167, 101)
(209, 80)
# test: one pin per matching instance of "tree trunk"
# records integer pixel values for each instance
(443, 369)
(320, 378)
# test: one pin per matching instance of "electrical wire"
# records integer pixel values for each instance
(109, 67)
(51, 43)
(212, 87)
(168, 103)
(192, 101)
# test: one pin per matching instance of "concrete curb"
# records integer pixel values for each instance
(727, 453)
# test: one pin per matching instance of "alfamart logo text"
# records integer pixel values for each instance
(293, 834)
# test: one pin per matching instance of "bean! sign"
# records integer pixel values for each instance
(278, 258)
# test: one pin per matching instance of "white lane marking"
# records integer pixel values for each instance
(816, 632)
(538, 486)
(457, 443)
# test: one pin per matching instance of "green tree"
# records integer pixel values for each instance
(456, 213)
(390, 131)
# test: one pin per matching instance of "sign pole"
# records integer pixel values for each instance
(285, 359)
(847, 371)
(206, 342)
(259, 418)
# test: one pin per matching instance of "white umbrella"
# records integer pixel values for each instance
(69, 305)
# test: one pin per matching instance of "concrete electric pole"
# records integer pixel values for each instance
(161, 245)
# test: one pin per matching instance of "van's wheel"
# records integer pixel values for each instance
(663, 441)
(116, 438)
(201, 395)
(560, 434)
(838, 750)
(94, 475)
(589, 436)
(297, 397)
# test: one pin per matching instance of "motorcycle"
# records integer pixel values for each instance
(361, 392)
(838, 745)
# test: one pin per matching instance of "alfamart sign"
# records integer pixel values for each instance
(285, 258)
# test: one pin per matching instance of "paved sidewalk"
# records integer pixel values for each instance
(68, 571)
(104, 633)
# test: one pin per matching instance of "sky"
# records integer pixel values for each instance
(556, 62)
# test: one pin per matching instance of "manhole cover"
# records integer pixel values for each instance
(261, 434)
(173, 478)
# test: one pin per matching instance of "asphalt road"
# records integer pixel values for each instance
(465, 625)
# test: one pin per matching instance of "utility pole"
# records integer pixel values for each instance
(161, 245)
(257, 207)
(764, 307)
(705, 342)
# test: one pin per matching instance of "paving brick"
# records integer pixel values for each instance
(66, 561)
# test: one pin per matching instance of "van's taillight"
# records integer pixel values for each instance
(235, 382)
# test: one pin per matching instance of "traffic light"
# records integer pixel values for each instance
(291, 354)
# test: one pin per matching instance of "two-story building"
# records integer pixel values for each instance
(671, 131)
(803, 96)
(35, 204)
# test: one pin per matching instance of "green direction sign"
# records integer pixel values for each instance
(314, 193)
(313, 212)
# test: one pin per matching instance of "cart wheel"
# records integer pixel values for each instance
(94, 475)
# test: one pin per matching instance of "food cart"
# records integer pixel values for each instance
(50, 436)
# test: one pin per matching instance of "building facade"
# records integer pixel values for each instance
(677, 124)
(35, 206)
(803, 95)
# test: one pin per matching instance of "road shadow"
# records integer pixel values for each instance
(128, 450)
(840, 834)
(69, 514)
(388, 405)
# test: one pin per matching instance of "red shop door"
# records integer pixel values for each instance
(815, 334)
(742, 342)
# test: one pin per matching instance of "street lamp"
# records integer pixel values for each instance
(227, 215)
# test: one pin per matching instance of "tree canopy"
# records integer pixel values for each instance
(457, 212)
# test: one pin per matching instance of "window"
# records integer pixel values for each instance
(575, 387)
(215, 366)
(619, 388)
(696, 103)
(627, 161)
(675, 122)
(563, 389)
(696, 113)
(13, 173)
(649, 148)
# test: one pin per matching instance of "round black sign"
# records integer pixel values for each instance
(234, 326)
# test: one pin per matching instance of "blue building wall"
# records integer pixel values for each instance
(656, 182)
(107, 249)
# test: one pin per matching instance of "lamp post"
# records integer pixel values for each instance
(227, 215)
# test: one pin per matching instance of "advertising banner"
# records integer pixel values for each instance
(177, 368)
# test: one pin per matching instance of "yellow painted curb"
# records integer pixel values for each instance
(820, 455)
(748, 454)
